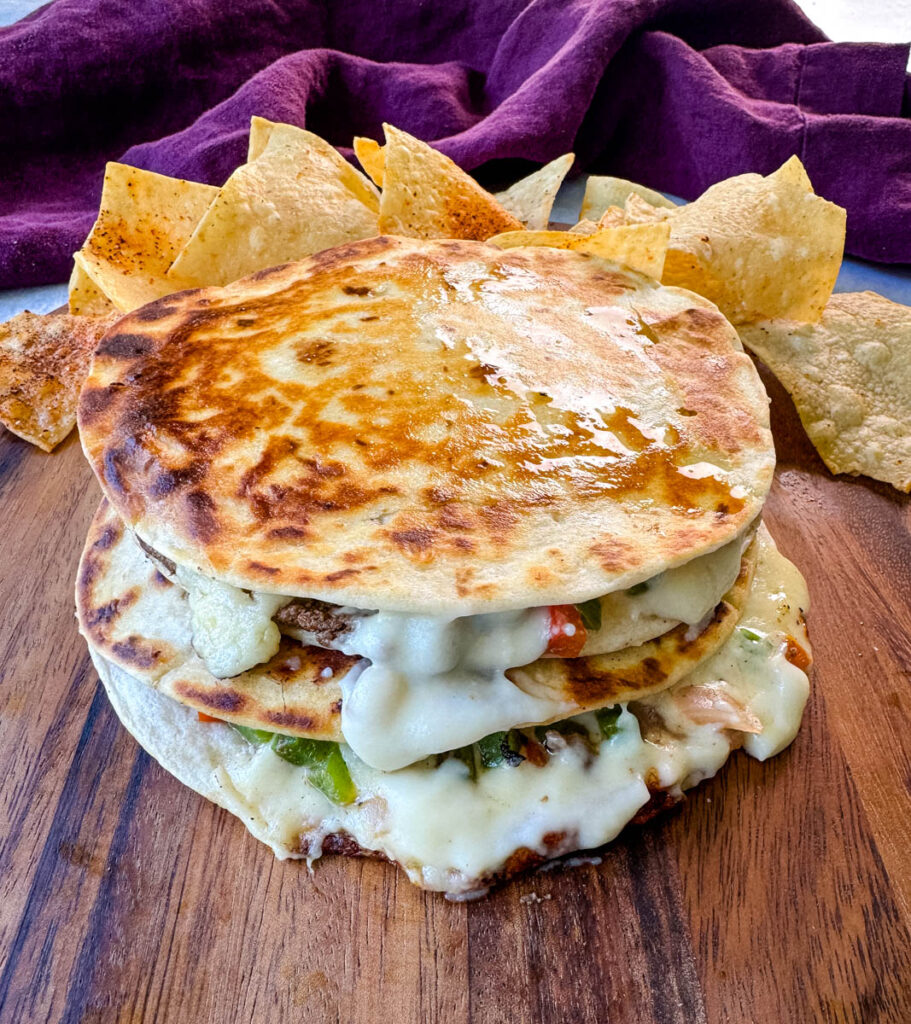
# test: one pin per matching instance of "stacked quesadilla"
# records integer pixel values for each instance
(437, 552)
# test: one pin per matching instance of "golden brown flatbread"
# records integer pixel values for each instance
(433, 426)
(137, 619)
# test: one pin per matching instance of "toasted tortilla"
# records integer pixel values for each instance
(636, 672)
(271, 135)
(84, 297)
(431, 426)
(850, 378)
(137, 619)
(532, 198)
(143, 222)
(640, 247)
(602, 192)
(297, 197)
(759, 247)
(372, 157)
(44, 359)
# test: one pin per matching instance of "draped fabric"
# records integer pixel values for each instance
(676, 94)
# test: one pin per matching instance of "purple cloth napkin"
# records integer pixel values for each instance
(673, 93)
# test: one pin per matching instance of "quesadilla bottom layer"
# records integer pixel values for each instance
(453, 828)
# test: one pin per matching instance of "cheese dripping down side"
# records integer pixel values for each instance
(433, 685)
(451, 832)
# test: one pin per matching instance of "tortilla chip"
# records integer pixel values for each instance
(298, 197)
(793, 172)
(641, 247)
(144, 220)
(372, 158)
(584, 227)
(531, 199)
(44, 358)
(760, 248)
(273, 134)
(426, 195)
(613, 217)
(603, 192)
(637, 210)
(85, 298)
(260, 133)
(850, 378)
(518, 239)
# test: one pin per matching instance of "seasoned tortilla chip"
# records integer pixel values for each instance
(298, 197)
(531, 199)
(44, 359)
(603, 192)
(372, 158)
(85, 298)
(426, 195)
(640, 246)
(850, 378)
(760, 248)
(144, 220)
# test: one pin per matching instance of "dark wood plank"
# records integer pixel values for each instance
(778, 892)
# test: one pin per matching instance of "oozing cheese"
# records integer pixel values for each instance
(449, 831)
(434, 685)
(232, 628)
(757, 671)
(685, 594)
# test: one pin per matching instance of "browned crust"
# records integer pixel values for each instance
(310, 702)
(99, 614)
(365, 477)
(296, 692)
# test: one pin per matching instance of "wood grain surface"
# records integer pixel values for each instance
(777, 893)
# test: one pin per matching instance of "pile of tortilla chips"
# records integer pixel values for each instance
(765, 249)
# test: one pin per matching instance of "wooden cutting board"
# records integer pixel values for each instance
(777, 893)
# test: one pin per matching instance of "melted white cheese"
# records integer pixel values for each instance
(685, 594)
(232, 628)
(450, 832)
(758, 672)
(435, 685)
